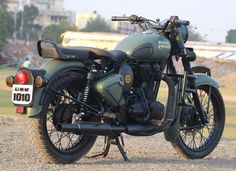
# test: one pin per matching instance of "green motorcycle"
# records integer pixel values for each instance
(82, 93)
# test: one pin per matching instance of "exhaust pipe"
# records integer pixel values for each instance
(95, 128)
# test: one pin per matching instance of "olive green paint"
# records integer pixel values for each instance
(172, 133)
(203, 79)
(161, 45)
(52, 67)
(111, 88)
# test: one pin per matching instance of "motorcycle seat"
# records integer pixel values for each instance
(117, 55)
(48, 49)
(83, 53)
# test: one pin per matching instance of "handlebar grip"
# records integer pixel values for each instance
(182, 22)
(116, 18)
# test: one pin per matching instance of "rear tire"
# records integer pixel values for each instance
(54, 146)
(196, 143)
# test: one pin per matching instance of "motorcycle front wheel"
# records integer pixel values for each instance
(54, 146)
(197, 139)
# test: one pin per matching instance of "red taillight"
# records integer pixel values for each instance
(22, 77)
(20, 109)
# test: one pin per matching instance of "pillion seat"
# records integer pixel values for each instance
(52, 50)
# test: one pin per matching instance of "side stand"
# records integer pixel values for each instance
(114, 141)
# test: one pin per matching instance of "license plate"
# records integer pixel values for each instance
(22, 94)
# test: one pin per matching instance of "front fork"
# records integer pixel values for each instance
(190, 79)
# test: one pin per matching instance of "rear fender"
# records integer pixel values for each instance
(202, 79)
(52, 68)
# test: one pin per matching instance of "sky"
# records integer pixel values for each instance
(212, 18)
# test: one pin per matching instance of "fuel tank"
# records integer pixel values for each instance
(146, 46)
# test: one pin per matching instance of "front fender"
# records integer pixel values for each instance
(52, 67)
(173, 132)
(203, 79)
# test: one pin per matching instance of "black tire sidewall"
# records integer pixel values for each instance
(192, 154)
(85, 144)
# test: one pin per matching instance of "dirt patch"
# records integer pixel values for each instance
(146, 153)
(230, 98)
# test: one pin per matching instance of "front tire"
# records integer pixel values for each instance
(54, 146)
(197, 140)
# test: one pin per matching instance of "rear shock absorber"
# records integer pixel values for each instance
(86, 92)
(90, 78)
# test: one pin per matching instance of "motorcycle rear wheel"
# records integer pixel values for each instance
(195, 140)
(54, 146)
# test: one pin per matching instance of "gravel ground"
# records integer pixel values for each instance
(146, 153)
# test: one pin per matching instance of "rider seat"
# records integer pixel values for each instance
(83, 53)
(48, 49)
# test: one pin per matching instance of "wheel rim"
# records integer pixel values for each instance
(65, 142)
(195, 135)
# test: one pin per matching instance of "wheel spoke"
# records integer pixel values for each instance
(63, 141)
(194, 142)
(70, 143)
(194, 137)
(203, 138)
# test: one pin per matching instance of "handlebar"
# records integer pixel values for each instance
(116, 18)
(182, 22)
(134, 19)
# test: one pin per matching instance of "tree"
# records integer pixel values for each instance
(231, 36)
(30, 14)
(98, 24)
(3, 5)
(25, 27)
(54, 31)
(195, 36)
(6, 23)
(3, 29)
(10, 24)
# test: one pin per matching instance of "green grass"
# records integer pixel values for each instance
(5, 71)
(230, 107)
(228, 91)
(6, 107)
(230, 124)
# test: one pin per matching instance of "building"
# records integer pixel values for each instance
(48, 5)
(127, 27)
(13, 5)
(82, 18)
(50, 11)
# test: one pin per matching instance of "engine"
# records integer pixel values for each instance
(142, 102)
(130, 91)
(141, 112)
